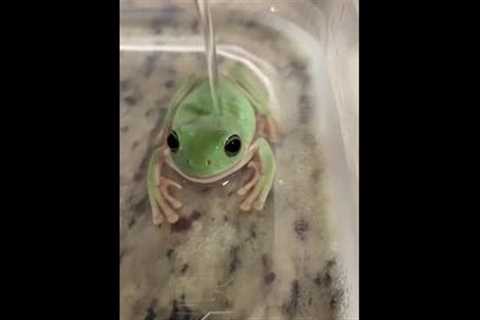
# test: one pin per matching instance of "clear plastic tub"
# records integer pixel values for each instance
(296, 259)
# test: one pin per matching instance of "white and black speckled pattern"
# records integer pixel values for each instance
(274, 264)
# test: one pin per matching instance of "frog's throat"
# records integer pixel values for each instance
(248, 156)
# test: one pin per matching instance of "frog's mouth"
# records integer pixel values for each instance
(210, 179)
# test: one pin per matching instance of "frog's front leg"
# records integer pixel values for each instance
(162, 203)
(259, 186)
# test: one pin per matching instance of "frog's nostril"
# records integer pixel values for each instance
(208, 162)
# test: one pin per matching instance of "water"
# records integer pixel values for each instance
(210, 50)
(280, 263)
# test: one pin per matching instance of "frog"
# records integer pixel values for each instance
(206, 141)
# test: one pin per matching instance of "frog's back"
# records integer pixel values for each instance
(236, 111)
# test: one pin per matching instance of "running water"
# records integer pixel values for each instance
(209, 36)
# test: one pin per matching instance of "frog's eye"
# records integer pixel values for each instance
(233, 145)
(172, 141)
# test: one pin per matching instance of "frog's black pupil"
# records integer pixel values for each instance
(172, 141)
(233, 145)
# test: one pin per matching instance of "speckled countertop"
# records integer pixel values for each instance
(274, 264)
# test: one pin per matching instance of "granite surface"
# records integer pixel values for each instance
(273, 264)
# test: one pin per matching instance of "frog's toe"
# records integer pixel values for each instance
(169, 213)
(169, 182)
(157, 220)
(259, 204)
(246, 206)
(165, 183)
(268, 127)
(173, 202)
(253, 181)
(172, 217)
(164, 205)
(248, 202)
(272, 130)
(162, 210)
(257, 197)
(157, 216)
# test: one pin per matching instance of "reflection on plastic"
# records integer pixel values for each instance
(207, 316)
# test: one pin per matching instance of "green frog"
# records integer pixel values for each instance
(205, 142)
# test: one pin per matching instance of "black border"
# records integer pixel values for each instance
(66, 260)
(407, 124)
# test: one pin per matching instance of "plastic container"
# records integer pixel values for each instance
(298, 258)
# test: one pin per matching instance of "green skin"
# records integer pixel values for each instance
(202, 130)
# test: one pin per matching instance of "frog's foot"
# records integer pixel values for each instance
(250, 187)
(164, 184)
(259, 186)
(250, 184)
(167, 204)
(163, 204)
(268, 127)
(273, 131)
(254, 188)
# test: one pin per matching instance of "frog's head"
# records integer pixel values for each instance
(205, 151)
